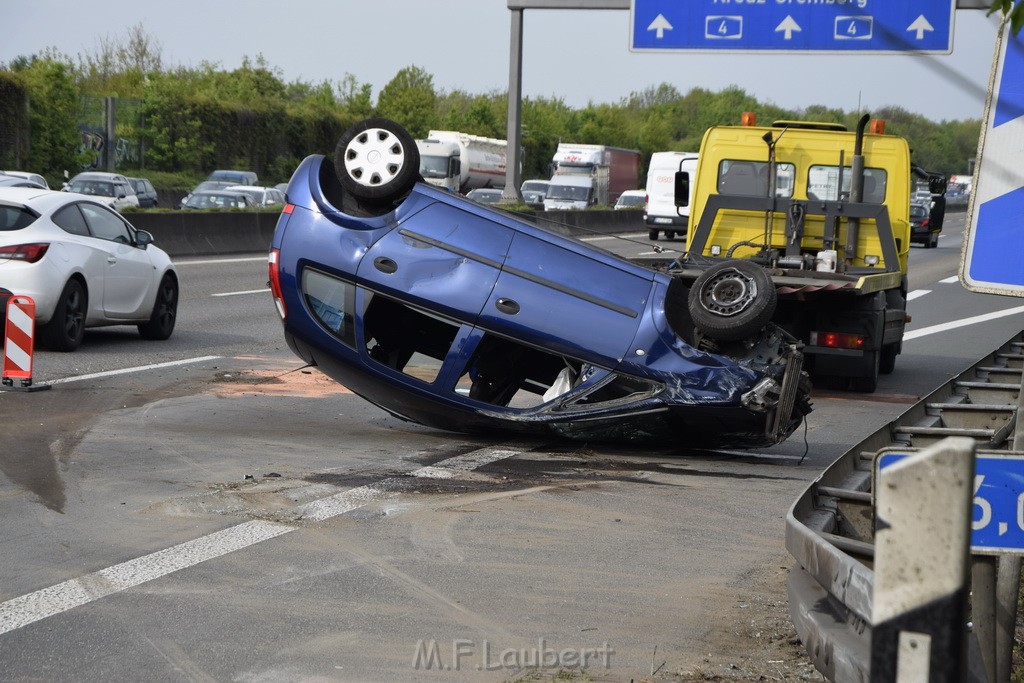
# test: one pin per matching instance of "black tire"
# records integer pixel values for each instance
(377, 160)
(66, 328)
(887, 362)
(653, 234)
(933, 240)
(732, 300)
(867, 383)
(670, 235)
(165, 311)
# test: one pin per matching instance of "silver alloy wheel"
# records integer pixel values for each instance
(374, 157)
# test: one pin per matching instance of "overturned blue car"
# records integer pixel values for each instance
(468, 318)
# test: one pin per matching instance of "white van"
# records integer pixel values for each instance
(662, 214)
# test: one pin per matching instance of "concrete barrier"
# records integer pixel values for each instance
(200, 233)
(185, 233)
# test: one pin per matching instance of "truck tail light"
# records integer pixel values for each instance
(275, 282)
(838, 340)
(29, 253)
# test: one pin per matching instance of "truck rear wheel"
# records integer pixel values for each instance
(377, 160)
(732, 300)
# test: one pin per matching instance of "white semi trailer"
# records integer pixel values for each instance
(461, 162)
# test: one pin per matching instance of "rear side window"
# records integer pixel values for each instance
(15, 218)
(70, 220)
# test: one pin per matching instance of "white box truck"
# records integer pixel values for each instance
(461, 162)
(663, 175)
(588, 175)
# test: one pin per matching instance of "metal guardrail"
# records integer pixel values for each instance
(830, 527)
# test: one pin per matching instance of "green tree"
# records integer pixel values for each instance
(55, 144)
(1014, 9)
(410, 99)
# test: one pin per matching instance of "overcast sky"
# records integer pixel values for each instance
(579, 56)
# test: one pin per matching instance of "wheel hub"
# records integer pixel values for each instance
(729, 293)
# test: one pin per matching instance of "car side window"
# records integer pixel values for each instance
(70, 220)
(105, 224)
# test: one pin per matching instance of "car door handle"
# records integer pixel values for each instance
(111, 260)
(507, 306)
(385, 265)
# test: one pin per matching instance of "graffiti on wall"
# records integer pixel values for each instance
(94, 143)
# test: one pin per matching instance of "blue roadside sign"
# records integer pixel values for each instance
(837, 26)
(993, 257)
(997, 522)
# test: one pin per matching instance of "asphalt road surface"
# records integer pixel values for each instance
(206, 508)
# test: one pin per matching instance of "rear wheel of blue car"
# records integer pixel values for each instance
(377, 160)
(732, 300)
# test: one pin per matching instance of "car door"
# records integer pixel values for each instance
(128, 277)
(443, 259)
(568, 300)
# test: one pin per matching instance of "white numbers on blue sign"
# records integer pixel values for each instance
(984, 505)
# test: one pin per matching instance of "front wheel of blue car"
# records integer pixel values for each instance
(732, 300)
(377, 160)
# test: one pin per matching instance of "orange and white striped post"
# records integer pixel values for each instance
(18, 342)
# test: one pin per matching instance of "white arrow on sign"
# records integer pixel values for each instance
(920, 25)
(660, 25)
(788, 25)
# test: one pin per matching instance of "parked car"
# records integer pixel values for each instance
(534, 199)
(18, 181)
(145, 191)
(631, 199)
(111, 188)
(449, 313)
(921, 227)
(217, 199)
(535, 186)
(25, 175)
(485, 195)
(234, 177)
(261, 196)
(84, 265)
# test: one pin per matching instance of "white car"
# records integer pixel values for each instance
(260, 196)
(113, 189)
(84, 266)
(631, 199)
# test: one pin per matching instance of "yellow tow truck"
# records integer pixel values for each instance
(806, 225)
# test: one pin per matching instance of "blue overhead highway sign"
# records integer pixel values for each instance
(825, 26)
(993, 260)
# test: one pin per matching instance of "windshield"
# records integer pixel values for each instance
(570, 192)
(434, 167)
(535, 185)
(94, 187)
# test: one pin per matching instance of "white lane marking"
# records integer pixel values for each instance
(47, 602)
(248, 291)
(951, 280)
(964, 322)
(242, 259)
(917, 294)
(140, 368)
(27, 609)
(601, 238)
